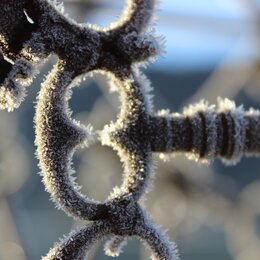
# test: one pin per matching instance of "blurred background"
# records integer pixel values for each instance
(211, 212)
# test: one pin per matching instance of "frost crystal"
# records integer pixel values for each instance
(29, 19)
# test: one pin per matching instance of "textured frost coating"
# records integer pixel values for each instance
(78, 242)
(82, 49)
(205, 132)
(114, 246)
(57, 137)
(202, 130)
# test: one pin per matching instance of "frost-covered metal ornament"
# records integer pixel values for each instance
(117, 52)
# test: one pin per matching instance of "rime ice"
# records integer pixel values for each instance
(118, 52)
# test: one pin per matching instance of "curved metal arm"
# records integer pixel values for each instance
(136, 16)
(77, 244)
(57, 137)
